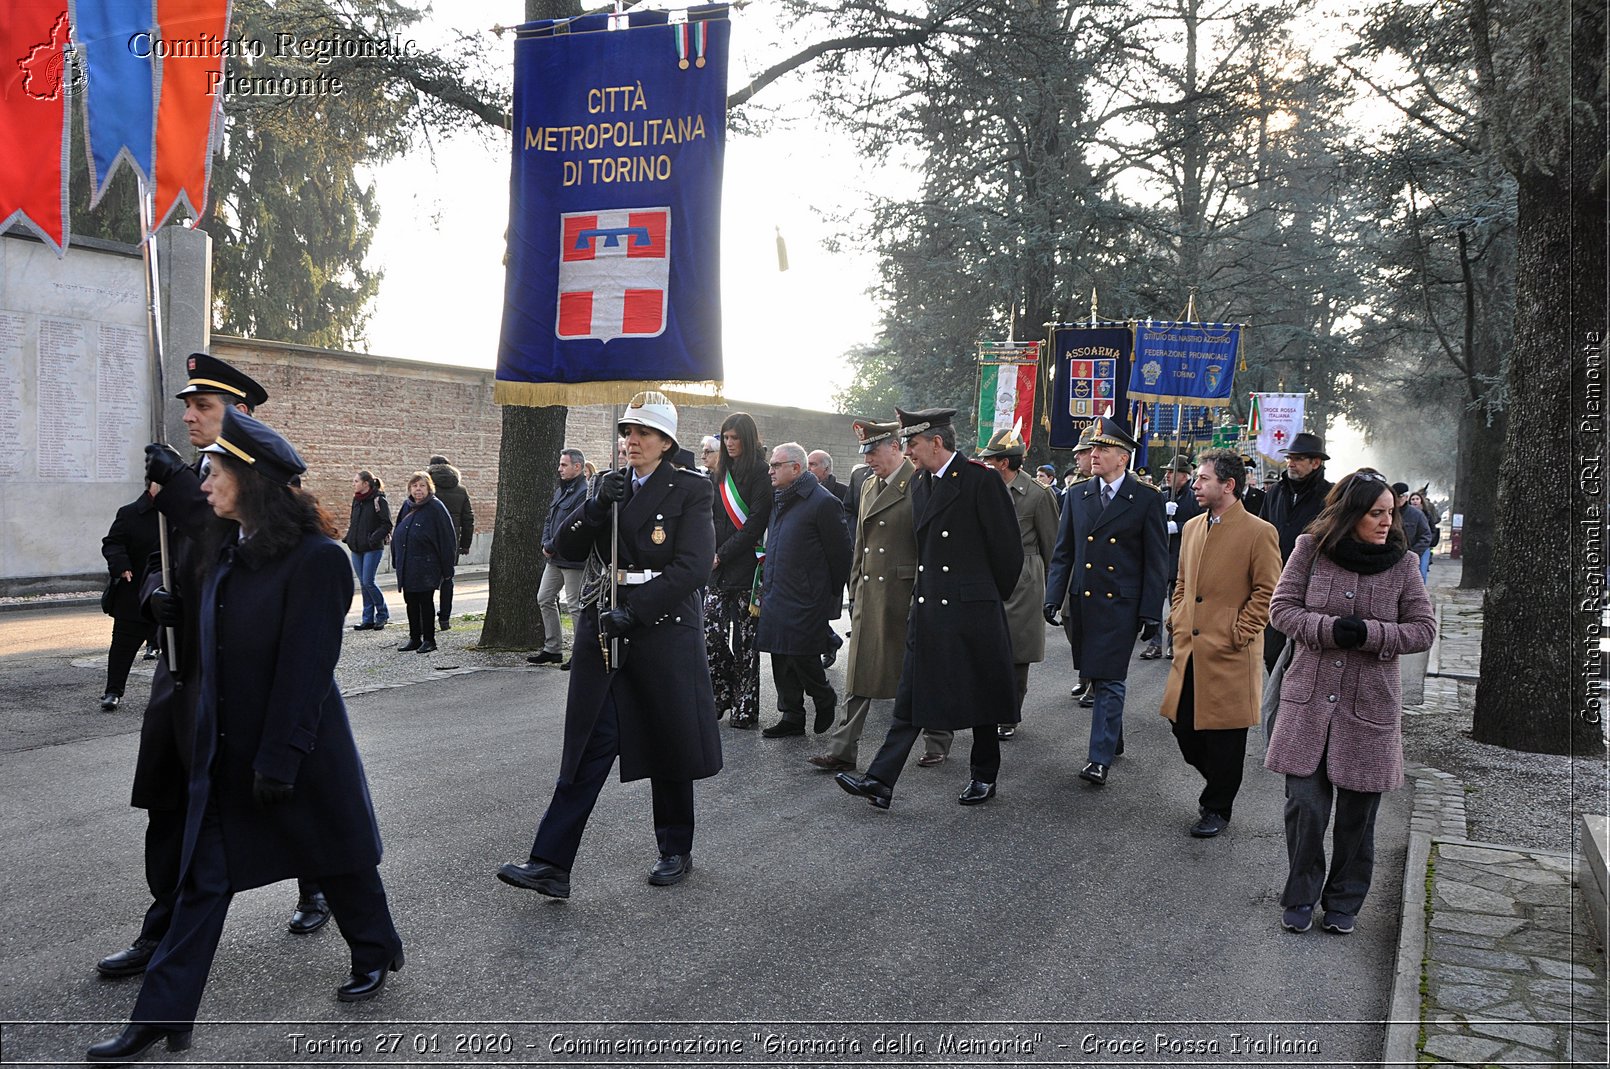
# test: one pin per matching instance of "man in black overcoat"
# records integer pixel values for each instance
(1112, 562)
(1291, 505)
(958, 669)
(167, 731)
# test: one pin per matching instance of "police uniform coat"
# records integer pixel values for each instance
(1228, 572)
(1112, 564)
(663, 700)
(1037, 523)
(270, 639)
(1346, 705)
(129, 546)
(958, 666)
(807, 562)
(882, 575)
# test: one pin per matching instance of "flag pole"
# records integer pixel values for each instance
(153, 327)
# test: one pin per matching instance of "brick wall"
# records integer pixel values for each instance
(346, 411)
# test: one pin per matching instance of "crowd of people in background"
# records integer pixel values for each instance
(1286, 605)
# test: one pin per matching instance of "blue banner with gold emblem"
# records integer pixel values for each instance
(614, 244)
(1184, 363)
(1092, 367)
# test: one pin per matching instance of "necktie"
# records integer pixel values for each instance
(1106, 497)
(881, 484)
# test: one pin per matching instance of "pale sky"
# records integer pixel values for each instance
(443, 215)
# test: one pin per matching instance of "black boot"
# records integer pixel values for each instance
(135, 1040)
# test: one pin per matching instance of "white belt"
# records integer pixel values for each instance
(633, 577)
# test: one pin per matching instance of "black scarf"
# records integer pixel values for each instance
(1367, 558)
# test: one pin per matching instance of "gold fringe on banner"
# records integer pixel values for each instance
(619, 392)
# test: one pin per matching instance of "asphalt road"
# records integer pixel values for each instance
(1063, 923)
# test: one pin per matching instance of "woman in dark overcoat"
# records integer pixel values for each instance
(1352, 601)
(741, 507)
(652, 705)
(127, 547)
(276, 785)
(424, 551)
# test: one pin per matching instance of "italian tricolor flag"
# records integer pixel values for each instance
(1005, 400)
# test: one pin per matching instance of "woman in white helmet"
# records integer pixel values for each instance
(652, 705)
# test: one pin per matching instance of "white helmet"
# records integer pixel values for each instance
(653, 410)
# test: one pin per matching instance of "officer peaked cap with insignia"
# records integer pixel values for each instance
(259, 446)
(869, 434)
(1005, 443)
(1085, 437)
(1110, 432)
(208, 374)
(923, 421)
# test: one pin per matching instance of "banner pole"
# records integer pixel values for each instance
(153, 326)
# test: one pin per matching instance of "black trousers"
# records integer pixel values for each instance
(421, 616)
(127, 638)
(891, 759)
(447, 597)
(796, 675)
(559, 831)
(177, 976)
(1219, 754)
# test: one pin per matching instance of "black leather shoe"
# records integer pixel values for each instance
(413, 644)
(1005, 731)
(1210, 825)
(362, 986)
(544, 657)
(109, 701)
(380, 625)
(363, 627)
(1088, 701)
(150, 654)
(782, 730)
(977, 793)
(824, 720)
(877, 792)
(538, 876)
(310, 915)
(566, 666)
(427, 647)
(135, 1040)
(1080, 691)
(444, 623)
(671, 868)
(130, 962)
(1094, 772)
(745, 723)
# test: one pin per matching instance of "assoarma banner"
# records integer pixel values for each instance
(1092, 367)
(614, 280)
(1184, 363)
(1006, 378)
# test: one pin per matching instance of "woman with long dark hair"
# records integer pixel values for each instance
(424, 551)
(1352, 601)
(276, 785)
(366, 536)
(742, 508)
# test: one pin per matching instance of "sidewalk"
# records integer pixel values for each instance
(1499, 963)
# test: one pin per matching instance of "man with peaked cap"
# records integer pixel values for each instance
(957, 669)
(1179, 505)
(167, 730)
(1112, 560)
(1081, 460)
(1037, 524)
(883, 569)
(652, 706)
(1291, 504)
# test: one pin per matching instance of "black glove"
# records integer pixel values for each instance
(1349, 632)
(1051, 615)
(616, 622)
(161, 463)
(270, 791)
(1148, 630)
(612, 487)
(167, 608)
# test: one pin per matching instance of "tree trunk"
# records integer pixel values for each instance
(1481, 451)
(532, 438)
(1530, 653)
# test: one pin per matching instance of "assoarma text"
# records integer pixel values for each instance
(559, 1043)
(613, 137)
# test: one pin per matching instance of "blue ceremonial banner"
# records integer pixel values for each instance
(1092, 366)
(1184, 363)
(120, 90)
(614, 269)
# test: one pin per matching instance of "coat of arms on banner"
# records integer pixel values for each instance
(1090, 385)
(614, 273)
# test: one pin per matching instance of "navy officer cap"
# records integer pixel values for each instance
(208, 374)
(259, 446)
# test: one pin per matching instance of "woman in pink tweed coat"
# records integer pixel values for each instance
(1339, 731)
